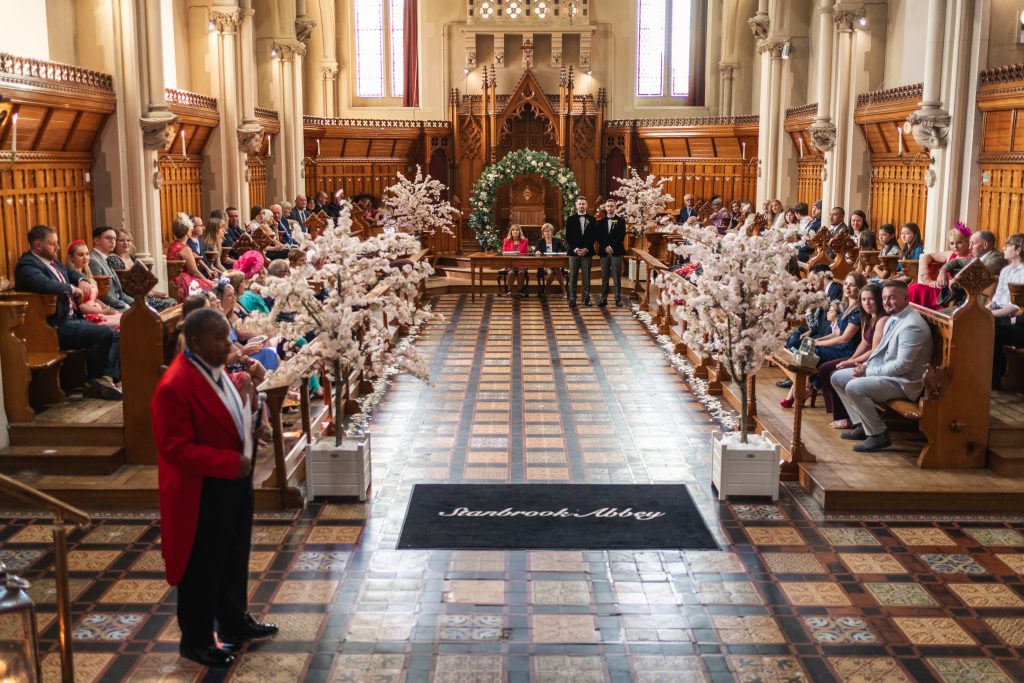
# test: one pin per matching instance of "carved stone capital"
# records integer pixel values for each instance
(929, 126)
(226, 21)
(759, 26)
(288, 51)
(727, 69)
(329, 70)
(250, 137)
(844, 19)
(773, 47)
(823, 135)
(304, 29)
(157, 129)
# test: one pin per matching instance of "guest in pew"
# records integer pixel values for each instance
(549, 244)
(261, 222)
(123, 258)
(280, 225)
(738, 213)
(235, 229)
(894, 370)
(888, 245)
(225, 254)
(873, 319)
(104, 240)
(39, 271)
(837, 224)
(1009, 324)
(867, 241)
(776, 215)
(190, 280)
(320, 203)
(248, 372)
(790, 221)
(299, 261)
(91, 307)
(516, 241)
(212, 239)
(807, 229)
(206, 443)
(840, 344)
(721, 218)
(299, 212)
(983, 246)
(926, 291)
(195, 243)
(257, 348)
(858, 223)
(911, 248)
(689, 210)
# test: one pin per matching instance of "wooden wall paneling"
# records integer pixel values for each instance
(256, 171)
(898, 192)
(1000, 198)
(1001, 163)
(181, 190)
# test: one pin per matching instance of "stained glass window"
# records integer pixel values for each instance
(369, 30)
(396, 15)
(650, 48)
(663, 42)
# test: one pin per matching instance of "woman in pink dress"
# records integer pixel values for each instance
(925, 292)
(91, 308)
(516, 241)
(189, 278)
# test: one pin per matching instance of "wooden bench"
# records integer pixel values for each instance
(174, 268)
(953, 410)
(148, 342)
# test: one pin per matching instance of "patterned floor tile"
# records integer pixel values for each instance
(794, 563)
(270, 667)
(556, 561)
(334, 535)
(868, 670)
(656, 628)
(379, 668)
(89, 666)
(933, 631)
(901, 594)
(559, 668)
(845, 536)
(917, 536)
(164, 667)
(728, 593)
(136, 591)
(33, 533)
(91, 560)
(757, 669)
(560, 593)
(872, 563)
(375, 627)
(668, 669)
(313, 592)
(475, 592)
(104, 626)
(767, 535)
(1014, 561)
(269, 535)
(817, 593)
(840, 630)
(478, 561)
(713, 562)
(468, 668)
(1009, 629)
(943, 563)
(751, 513)
(563, 628)
(351, 511)
(296, 626)
(1006, 537)
(471, 627)
(149, 561)
(985, 595)
(952, 670)
(44, 591)
(316, 561)
(747, 630)
(19, 560)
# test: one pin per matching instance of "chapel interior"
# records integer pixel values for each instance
(901, 564)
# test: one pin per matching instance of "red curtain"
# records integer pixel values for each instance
(411, 96)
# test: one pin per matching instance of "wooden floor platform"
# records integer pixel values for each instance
(890, 481)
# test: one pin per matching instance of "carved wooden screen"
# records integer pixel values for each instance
(1000, 200)
(180, 192)
(898, 192)
(808, 184)
(45, 191)
(257, 171)
(1001, 161)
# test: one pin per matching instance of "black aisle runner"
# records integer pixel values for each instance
(554, 516)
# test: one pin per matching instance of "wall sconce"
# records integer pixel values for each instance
(787, 48)
(273, 52)
(212, 25)
(754, 162)
(863, 21)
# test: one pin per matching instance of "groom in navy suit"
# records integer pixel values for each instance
(39, 271)
(580, 233)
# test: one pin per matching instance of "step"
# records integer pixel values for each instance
(1007, 461)
(1005, 435)
(62, 434)
(69, 460)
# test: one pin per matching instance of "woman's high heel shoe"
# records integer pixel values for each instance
(787, 402)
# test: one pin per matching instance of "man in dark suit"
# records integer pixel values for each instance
(320, 203)
(611, 240)
(234, 230)
(837, 221)
(39, 271)
(103, 240)
(204, 434)
(689, 210)
(580, 234)
(299, 212)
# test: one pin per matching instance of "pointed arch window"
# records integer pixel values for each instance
(670, 47)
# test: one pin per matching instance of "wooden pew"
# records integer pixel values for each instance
(174, 268)
(147, 346)
(845, 253)
(31, 344)
(953, 411)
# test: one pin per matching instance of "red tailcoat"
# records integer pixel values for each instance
(195, 438)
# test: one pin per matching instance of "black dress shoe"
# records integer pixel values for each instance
(586, 302)
(602, 302)
(572, 303)
(210, 656)
(855, 434)
(250, 630)
(784, 383)
(618, 302)
(874, 443)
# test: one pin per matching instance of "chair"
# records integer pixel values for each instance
(526, 203)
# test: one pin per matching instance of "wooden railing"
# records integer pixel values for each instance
(61, 512)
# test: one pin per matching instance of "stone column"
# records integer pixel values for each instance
(291, 153)
(726, 72)
(298, 184)
(823, 131)
(770, 117)
(250, 132)
(759, 23)
(835, 187)
(230, 192)
(140, 21)
(329, 73)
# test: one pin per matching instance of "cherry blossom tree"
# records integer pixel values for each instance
(418, 206)
(362, 284)
(739, 303)
(643, 201)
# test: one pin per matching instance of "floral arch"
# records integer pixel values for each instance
(519, 162)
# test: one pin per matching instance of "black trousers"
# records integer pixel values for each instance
(213, 595)
(1007, 334)
(102, 344)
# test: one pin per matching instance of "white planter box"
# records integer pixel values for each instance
(637, 270)
(338, 470)
(750, 469)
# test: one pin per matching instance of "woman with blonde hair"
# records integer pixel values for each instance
(518, 278)
(91, 308)
(549, 244)
(213, 237)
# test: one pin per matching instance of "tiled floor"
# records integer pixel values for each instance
(525, 392)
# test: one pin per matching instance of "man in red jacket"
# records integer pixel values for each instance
(203, 433)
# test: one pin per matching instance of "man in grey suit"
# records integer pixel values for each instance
(894, 370)
(983, 246)
(103, 240)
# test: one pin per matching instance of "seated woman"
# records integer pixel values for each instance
(1009, 327)
(91, 308)
(246, 344)
(195, 243)
(887, 246)
(840, 344)
(123, 258)
(213, 237)
(517, 277)
(859, 225)
(925, 292)
(873, 321)
(189, 278)
(911, 248)
(549, 244)
(259, 222)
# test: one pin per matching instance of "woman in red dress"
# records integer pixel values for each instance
(179, 250)
(925, 292)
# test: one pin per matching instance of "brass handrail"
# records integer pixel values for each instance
(60, 510)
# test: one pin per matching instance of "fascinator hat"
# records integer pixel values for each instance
(962, 229)
(250, 263)
(71, 247)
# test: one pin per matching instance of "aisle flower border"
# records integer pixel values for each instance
(519, 162)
